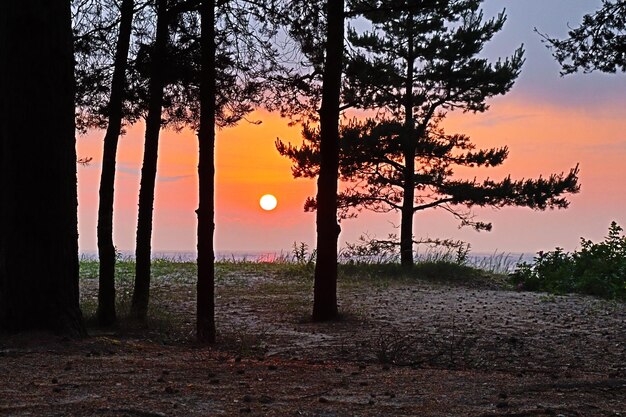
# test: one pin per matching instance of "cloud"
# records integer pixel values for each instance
(493, 120)
(172, 178)
(127, 169)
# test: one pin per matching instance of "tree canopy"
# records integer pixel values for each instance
(245, 58)
(599, 43)
(418, 61)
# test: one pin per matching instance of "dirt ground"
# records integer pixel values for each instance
(402, 348)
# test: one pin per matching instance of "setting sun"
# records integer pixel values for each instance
(268, 202)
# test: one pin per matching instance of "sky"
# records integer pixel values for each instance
(550, 123)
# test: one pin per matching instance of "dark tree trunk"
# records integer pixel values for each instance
(106, 249)
(406, 221)
(205, 308)
(141, 293)
(325, 291)
(408, 145)
(38, 203)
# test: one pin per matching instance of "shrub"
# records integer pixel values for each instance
(596, 269)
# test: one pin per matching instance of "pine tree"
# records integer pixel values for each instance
(205, 306)
(325, 287)
(106, 248)
(419, 61)
(213, 67)
(599, 43)
(38, 196)
(143, 250)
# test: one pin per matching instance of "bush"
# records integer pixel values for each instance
(597, 269)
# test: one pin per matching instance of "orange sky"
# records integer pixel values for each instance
(248, 166)
(549, 122)
(542, 139)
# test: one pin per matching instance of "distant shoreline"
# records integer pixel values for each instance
(190, 256)
(474, 258)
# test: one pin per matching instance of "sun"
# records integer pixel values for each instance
(268, 202)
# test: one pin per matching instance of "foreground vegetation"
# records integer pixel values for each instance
(596, 269)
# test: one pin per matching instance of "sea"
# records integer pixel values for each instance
(495, 261)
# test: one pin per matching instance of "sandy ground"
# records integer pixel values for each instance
(402, 349)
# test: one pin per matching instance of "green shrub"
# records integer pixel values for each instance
(596, 269)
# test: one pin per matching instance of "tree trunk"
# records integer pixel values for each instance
(106, 249)
(205, 307)
(38, 209)
(141, 293)
(408, 146)
(325, 291)
(406, 221)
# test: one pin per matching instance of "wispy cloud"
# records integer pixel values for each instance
(172, 178)
(124, 168)
(493, 120)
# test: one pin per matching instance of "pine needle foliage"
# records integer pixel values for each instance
(418, 61)
(599, 43)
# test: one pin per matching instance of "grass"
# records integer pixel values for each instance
(284, 278)
(299, 274)
(173, 281)
(291, 275)
(500, 263)
(597, 269)
(431, 267)
(443, 272)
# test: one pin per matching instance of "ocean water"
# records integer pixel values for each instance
(191, 256)
(500, 261)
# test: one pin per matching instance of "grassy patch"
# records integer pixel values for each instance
(286, 276)
(437, 271)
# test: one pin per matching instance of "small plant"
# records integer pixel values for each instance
(443, 250)
(440, 260)
(550, 271)
(88, 267)
(301, 254)
(397, 348)
(369, 250)
(596, 269)
(548, 298)
(500, 263)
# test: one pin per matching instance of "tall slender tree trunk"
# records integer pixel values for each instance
(38, 203)
(141, 293)
(406, 220)
(106, 249)
(325, 290)
(205, 307)
(408, 146)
